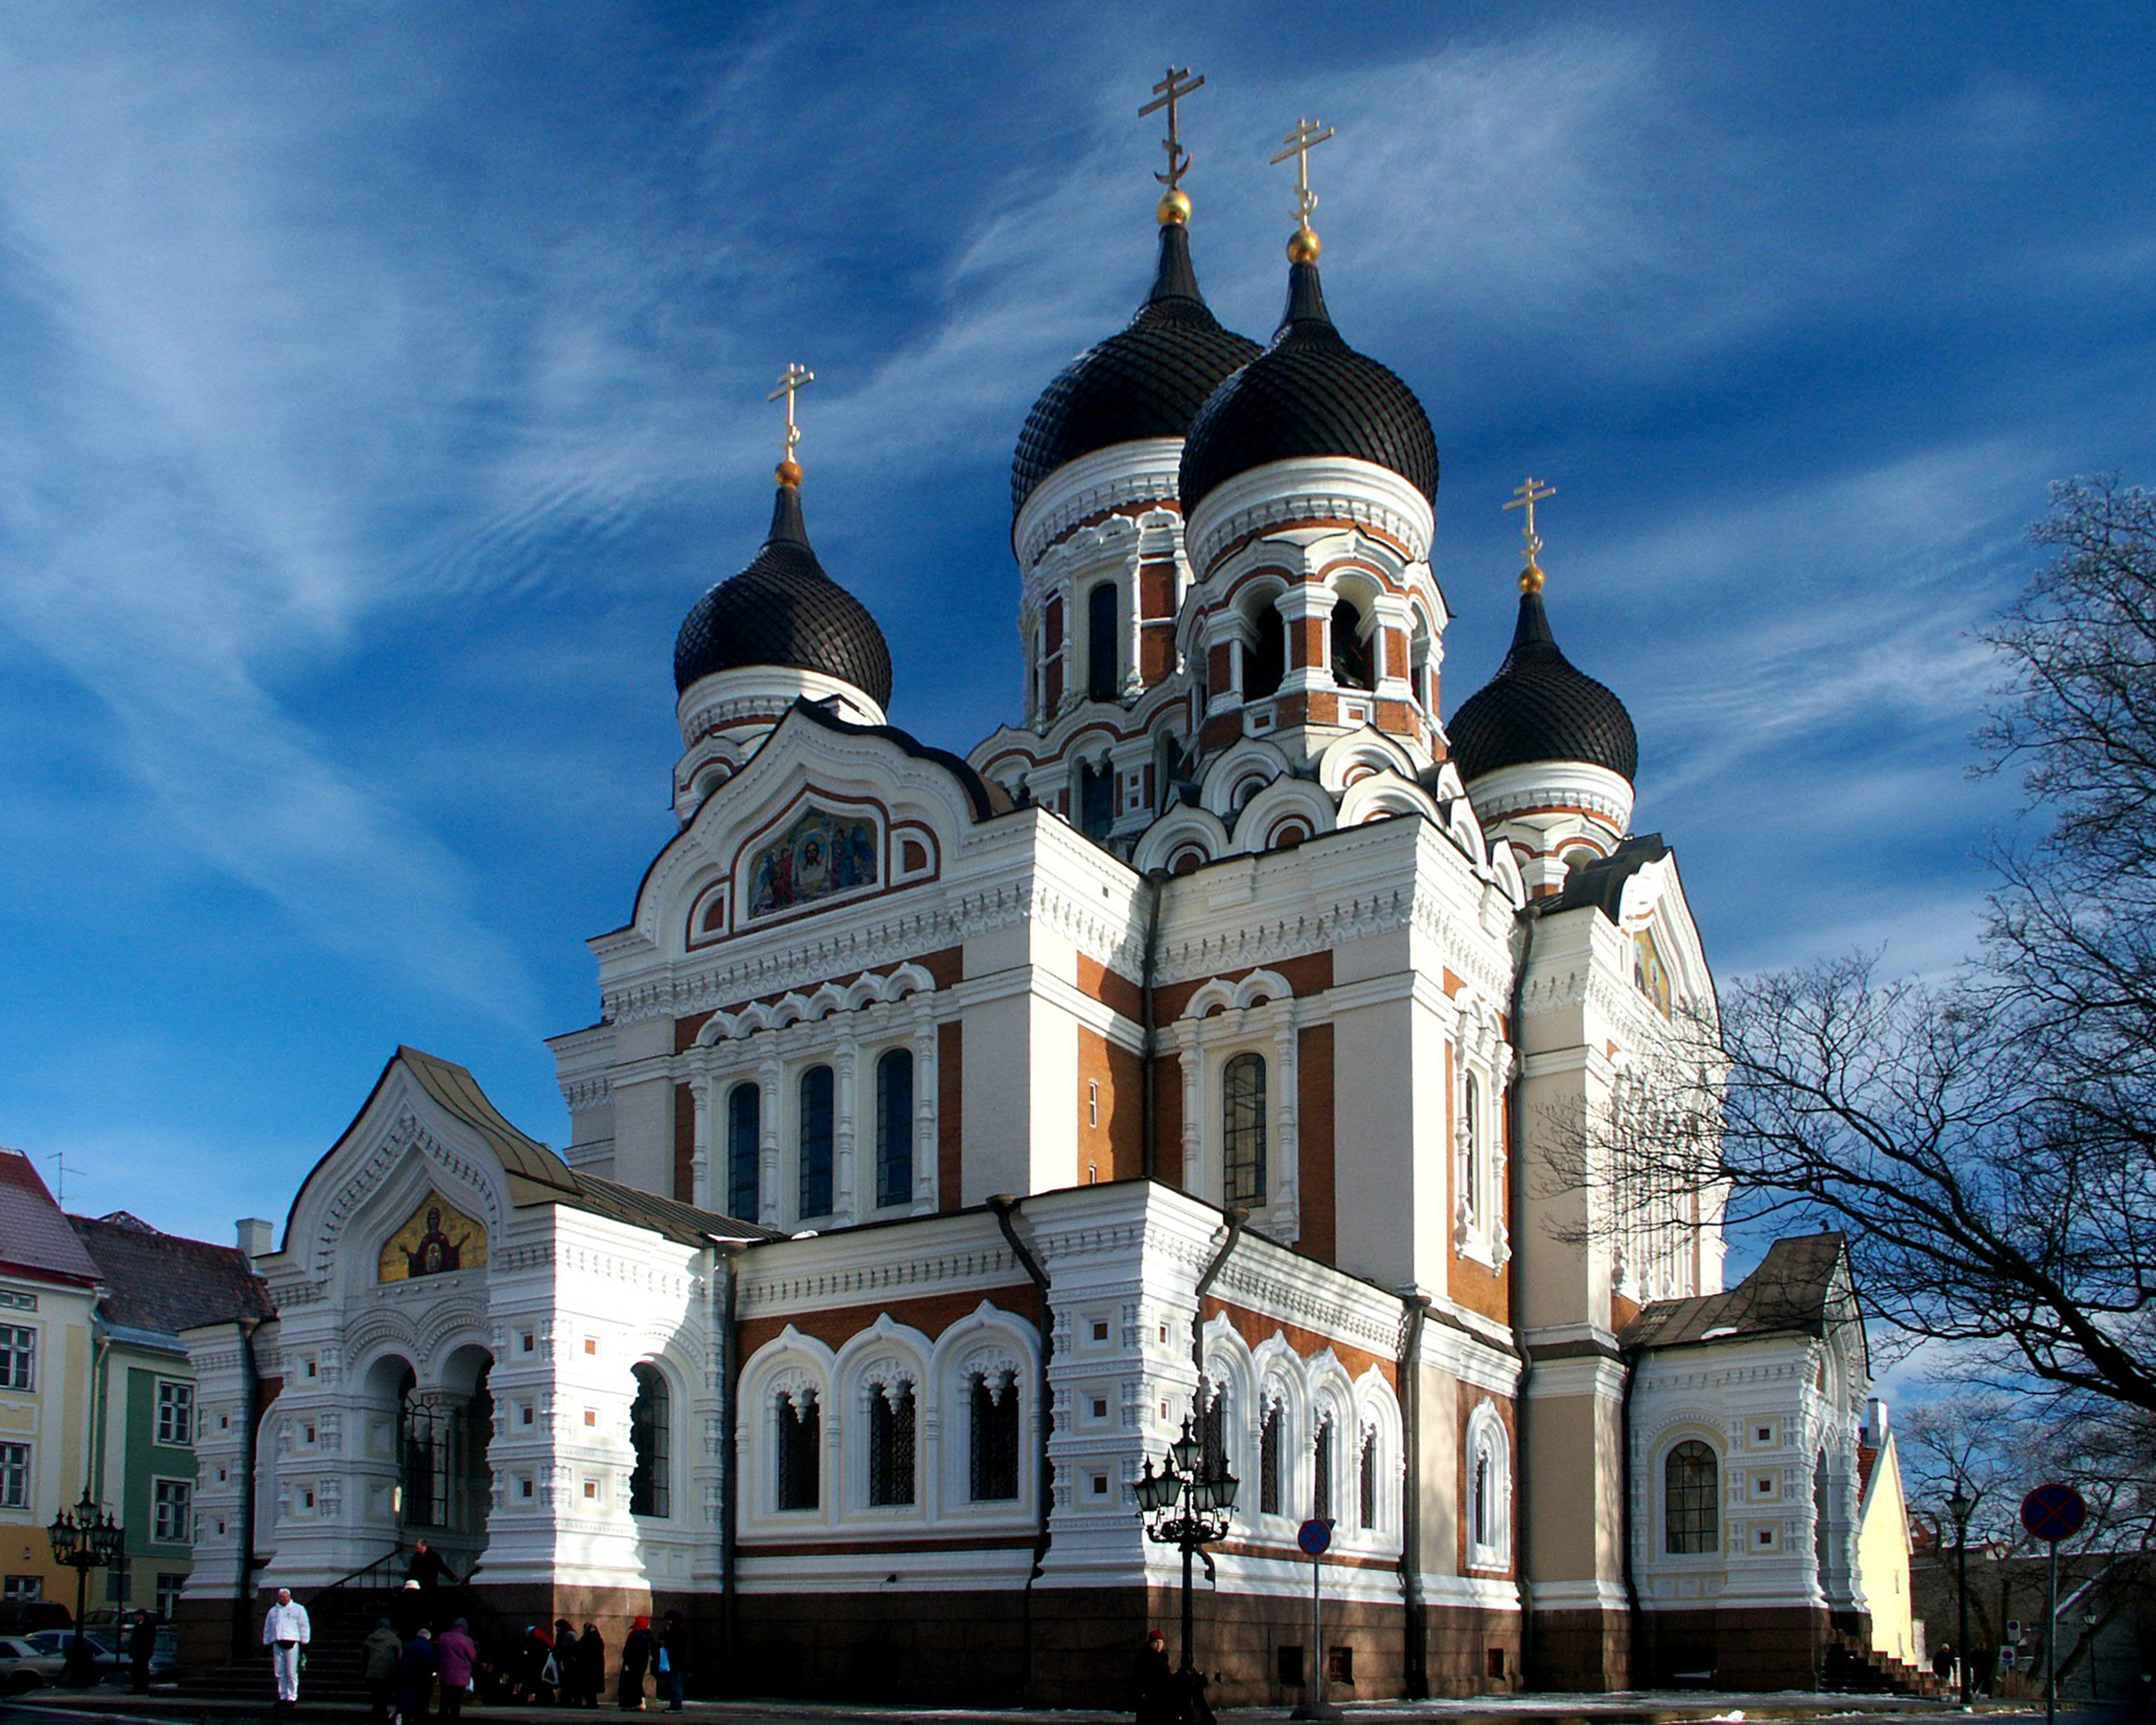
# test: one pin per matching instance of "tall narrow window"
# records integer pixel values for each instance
(745, 1151)
(890, 1408)
(1366, 1483)
(1269, 1462)
(650, 1436)
(993, 1453)
(1266, 662)
(1103, 678)
(799, 1449)
(1690, 1493)
(1243, 1129)
(895, 1127)
(1321, 1495)
(815, 1141)
(1471, 1130)
(1353, 656)
(1096, 799)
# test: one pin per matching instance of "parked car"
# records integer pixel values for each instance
(24, 1666)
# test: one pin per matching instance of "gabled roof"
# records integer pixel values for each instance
(1799, 1289)
(164, 1283)
(34, 1237)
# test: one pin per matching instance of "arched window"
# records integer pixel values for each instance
(745, 1151)
(992, 1469)
(895, 1127)
(1353, 656)
(1243, 1129)
(1103, 678)
(1269, 1462)
(1691, 1499)
(1266, 662)
(815, 1141)
(1366, 1483)
(1471, 1124)
(650, 1435)
(1096, 799)
(1321, 1495)
(799, 1449)
(891, 1411)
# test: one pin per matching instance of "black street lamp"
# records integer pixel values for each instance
(1960, 1505)
(1187, 1504)
(86, 1539)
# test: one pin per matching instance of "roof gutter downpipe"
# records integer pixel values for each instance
(1516, 1205)
(1006, 1212)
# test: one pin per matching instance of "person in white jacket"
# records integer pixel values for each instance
(284, 1631)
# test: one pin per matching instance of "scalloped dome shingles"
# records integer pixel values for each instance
(784, 609)
(1309, 394)
(1541, 707)
(1147, 380)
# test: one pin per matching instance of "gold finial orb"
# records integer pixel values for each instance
(1303, 245)
(1174, 208)
(790, 472)
(1531, 579)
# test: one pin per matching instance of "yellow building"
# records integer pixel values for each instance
(48, 1297)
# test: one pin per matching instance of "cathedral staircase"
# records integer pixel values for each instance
(342, 1615)
(1854, 1667)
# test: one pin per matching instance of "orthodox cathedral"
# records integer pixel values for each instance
(1189, 1061)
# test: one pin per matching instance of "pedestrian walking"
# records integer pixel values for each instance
(417, 1669)
(286, 1632)
(591, 1666)
(378, 1656)
(459, 1656)
(673, 1648)
(142, 1647)
(636, 1659)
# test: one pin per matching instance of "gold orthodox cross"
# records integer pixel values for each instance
(790, 383)
(1308, 135)
(1171, 90)
(1525, 497)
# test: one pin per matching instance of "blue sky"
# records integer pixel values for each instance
(379, 386)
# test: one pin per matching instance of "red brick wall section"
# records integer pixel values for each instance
(1313, 1068)
(950, 1113)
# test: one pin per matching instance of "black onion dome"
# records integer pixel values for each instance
(784, 609)
(1309, 394)
(1147, 380)
(1540, 707)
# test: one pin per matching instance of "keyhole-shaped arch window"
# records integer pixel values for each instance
(894, 1127)
(1691, 1499)
(1243, 1129)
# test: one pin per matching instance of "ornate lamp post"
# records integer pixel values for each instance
(84, 1539)
(1960, 1505)
(1187, 1504)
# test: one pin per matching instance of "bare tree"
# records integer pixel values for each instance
(1987, 1144)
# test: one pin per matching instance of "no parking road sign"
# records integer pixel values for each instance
(2054, 1513)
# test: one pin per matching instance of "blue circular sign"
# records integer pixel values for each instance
(2054, 1513)
(1315, 1536)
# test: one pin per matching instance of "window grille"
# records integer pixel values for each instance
(1269, 1462)
(891, 1411)
(1321, 1496)
(1691, 1494)
(745, 1153)
(800, 1451)
(175, 1412)
(1243, 1129)
(649, 1436)
(894, 1128)
(815, 1141)
(18, 1356)
(995, 1437)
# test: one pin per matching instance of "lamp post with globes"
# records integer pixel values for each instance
(1187, 1504)
(83, 1539)
(1960, 1505)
